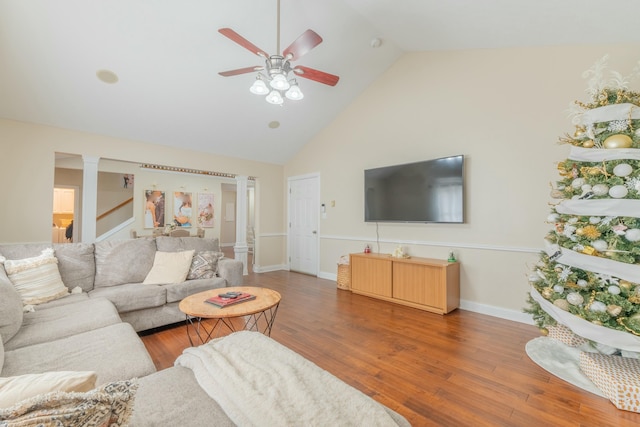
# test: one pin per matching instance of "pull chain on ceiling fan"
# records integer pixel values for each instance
(273, 78)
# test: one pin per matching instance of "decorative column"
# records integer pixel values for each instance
(89, 198)
(241, 249)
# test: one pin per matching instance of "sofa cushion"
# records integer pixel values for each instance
(36, 279)
(167, 390)
(21, 387)
(204, 265)
(132, 296)
(10, 308)
(179, 291)
(68, 299)
(54, 323)
(114, 352)
(77, 264)
(123, 261)
(110, 405)
(169, 267)
(177, 244)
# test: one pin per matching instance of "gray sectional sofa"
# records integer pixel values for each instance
(96, 329)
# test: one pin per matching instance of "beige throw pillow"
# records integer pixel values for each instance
(169, 267)
(15, 389)
(36, 279)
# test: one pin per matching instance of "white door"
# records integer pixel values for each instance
(304, 204)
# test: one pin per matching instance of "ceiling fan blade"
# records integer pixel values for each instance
(232, 35)
(303, 44)
(240, 71)
(315, 75)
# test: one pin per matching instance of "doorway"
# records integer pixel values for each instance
(304, 205)
(65, 208)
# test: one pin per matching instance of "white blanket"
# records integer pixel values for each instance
(259, 382)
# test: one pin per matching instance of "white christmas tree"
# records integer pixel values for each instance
(588, 279)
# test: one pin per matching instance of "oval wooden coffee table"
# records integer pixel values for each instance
(255, 315)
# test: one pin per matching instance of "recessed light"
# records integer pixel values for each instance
(107, 76)
(274, 124)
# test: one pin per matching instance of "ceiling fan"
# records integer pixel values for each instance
(278, 67)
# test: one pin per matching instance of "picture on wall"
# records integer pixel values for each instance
(154, 208)
(205, 210)
(182, 210)
(127, 179)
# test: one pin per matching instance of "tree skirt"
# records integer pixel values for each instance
(560, 360)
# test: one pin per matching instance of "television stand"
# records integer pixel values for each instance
(428, 284)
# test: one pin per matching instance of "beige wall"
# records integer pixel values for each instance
(504, 110)
(27, 169)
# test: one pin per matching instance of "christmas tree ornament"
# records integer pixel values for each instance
(558, 289)
(547, 292)
(562, 304)
(544, 331)
(578, 182)
(598, 307)
(613, 290)
(618, 191)
(588, 143)
(595, 220)
(614, 310)
(632, 235)
(586, 188)
(625, 285)
(622, 170)
(600, 245)
(618, 126)
(575, 298)
(600, 189)
(618, 140)
(580, 231)
(582, 283)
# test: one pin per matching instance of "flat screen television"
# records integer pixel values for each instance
(427, 191)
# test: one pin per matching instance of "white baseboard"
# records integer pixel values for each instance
(268, 268)
(492, 310)
(328, 276)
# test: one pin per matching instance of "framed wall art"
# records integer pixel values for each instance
(205, 215)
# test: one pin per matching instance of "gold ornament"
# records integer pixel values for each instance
(579, 132)
(580, 231)
(588, 250)
(635, 299)
(614, 310)
(547, 292)
(562, 304)
(590, 232)
(571, 285)
(624, 285)
(544, 331)
(618, 140)
(588, 143)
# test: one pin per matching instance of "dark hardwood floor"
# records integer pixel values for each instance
(462, 369)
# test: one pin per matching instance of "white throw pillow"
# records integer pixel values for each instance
(15, 389)
(36, 279)
(169, 267)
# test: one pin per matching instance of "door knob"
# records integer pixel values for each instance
(314, 232)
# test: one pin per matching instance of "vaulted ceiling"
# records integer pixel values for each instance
(167, 53)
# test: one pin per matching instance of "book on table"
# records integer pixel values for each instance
(222, 301)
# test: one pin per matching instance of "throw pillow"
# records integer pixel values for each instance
(15, 389)
(10, 308)
(169, 267)
(203, 266)
(109, 405)
(36, 279)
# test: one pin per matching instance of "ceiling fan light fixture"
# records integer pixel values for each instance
(294, 93)
(279, 82)
(259, 87)
(274, 98)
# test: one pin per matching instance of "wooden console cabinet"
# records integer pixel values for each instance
(424, 283)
